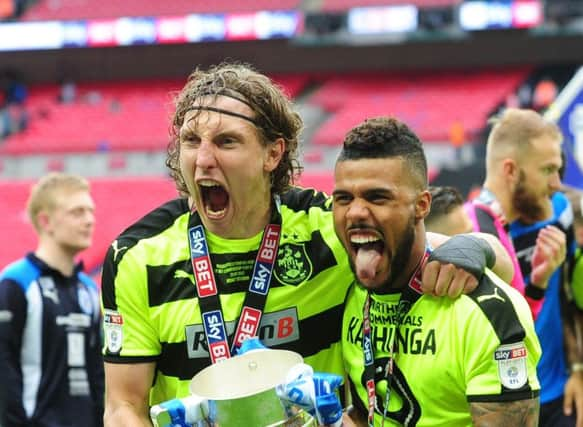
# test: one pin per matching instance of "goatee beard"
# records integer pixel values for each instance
(401, 259)
(527, 205)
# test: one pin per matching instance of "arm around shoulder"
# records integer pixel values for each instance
(470, 253)
(127, 388)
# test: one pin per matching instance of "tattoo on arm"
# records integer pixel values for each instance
(502, 414)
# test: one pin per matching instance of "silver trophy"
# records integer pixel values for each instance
(240, 391)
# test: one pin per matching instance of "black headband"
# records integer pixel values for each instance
(220, 110)
(230, 94)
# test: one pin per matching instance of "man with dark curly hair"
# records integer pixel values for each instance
(242, 253)
(412, 359)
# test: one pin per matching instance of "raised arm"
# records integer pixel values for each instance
(493, 414)
(127, 388)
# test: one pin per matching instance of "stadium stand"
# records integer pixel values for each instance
(429, 102)
(46, 10)
(102, 117)
(105, 116)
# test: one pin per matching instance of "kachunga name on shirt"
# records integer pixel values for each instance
(411, 337)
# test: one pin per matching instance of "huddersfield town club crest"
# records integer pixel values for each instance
(293, 266)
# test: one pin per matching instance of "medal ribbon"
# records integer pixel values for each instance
(207, 291)
(410, 294)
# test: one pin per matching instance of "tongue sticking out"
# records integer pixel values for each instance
(366, 263)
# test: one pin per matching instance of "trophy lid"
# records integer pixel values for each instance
(251, 373)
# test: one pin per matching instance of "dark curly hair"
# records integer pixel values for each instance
(383, 137)
(444, 199)
(274, 118)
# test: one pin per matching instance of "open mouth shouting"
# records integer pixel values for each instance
(215, 199)
(367, 247)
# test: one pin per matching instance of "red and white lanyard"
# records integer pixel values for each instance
(410, 294)
(207, 291)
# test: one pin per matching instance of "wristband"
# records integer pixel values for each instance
(534, 292)
(465, 251)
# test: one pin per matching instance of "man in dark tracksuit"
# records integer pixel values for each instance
(50, 316)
